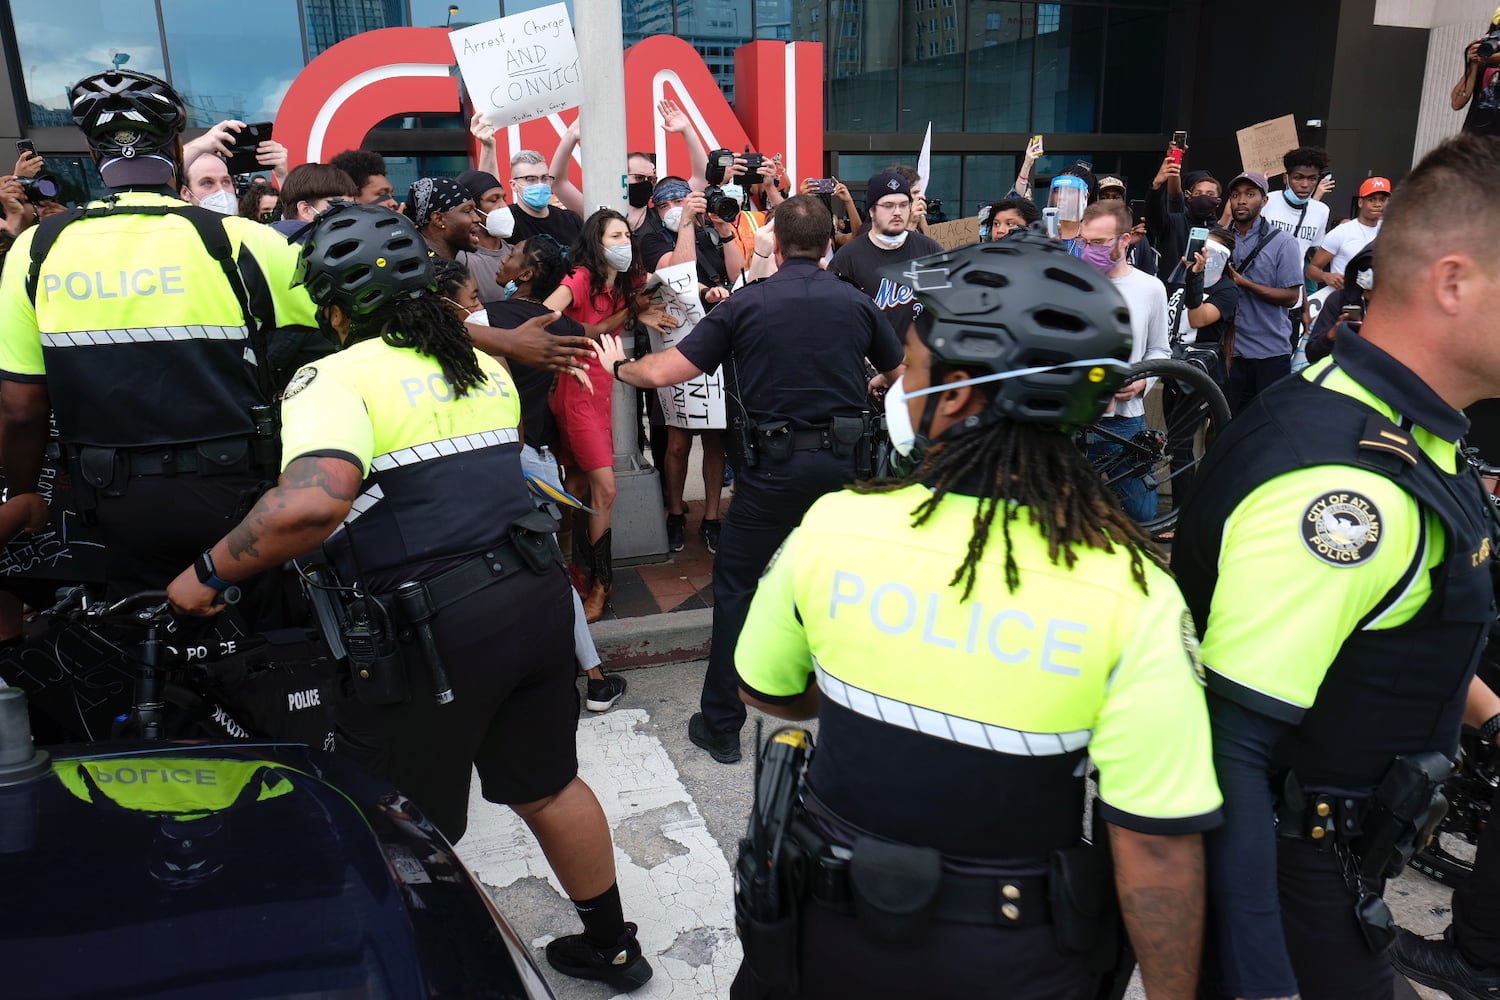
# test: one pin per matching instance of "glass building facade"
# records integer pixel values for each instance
(986, 74)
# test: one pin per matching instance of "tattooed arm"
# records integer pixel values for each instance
(304, 508)
(1160, 884)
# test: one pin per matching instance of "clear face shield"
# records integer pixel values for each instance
(1070, 196)
(1218, 259)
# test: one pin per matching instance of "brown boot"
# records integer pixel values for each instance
(601, 563)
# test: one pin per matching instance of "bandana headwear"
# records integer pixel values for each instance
(430, 195)
(670, 191)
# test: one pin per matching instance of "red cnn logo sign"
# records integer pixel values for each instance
(358, 83)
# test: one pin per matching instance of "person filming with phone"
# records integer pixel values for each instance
(1479, 88)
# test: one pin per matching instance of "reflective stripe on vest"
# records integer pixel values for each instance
(144, 335)
(953, 728)
(445, 446)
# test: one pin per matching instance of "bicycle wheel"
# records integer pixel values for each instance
(1149, 461)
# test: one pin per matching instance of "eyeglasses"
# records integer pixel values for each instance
(533, 179)
(1109, 242)
(637, 178)
(893, 206)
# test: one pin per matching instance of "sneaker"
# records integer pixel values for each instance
(623, 967)
(1438, 964)
(728, 479)
(603, 694)
(710, 533)
(722, 747)
(676, 524)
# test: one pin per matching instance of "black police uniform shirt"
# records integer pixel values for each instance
(538, 424)
(656, 241)
(860, 262)
(562, 224)
(797, 344)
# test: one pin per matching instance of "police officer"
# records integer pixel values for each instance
(957, 704)
(796, 344)
(385, 446)
(1335, 695)
(132, 320)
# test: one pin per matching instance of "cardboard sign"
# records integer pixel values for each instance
(1262, 146)
(520, 67)
(955, 234)
(697, 404)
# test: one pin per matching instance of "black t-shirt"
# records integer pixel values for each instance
(655, 241)
(860, 261)
(1484, 107)
(1223, 294)
(797, 343)
(560, 224)
(534, 384)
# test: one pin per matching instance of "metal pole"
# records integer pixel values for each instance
(639, 519)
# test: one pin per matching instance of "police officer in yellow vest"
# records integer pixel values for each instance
(144, 324)
(1337, 554)
(402, 458)
(959, 705)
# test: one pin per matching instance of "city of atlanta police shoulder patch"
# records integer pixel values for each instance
(1342, 529)
(1190, 646)
(300, 381)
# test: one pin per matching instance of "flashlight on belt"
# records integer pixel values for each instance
(416, 608)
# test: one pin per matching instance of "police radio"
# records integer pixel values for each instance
(375, 664)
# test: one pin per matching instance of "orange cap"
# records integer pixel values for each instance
(1374, 185)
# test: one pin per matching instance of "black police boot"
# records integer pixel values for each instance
(722, 747)
(622, 966)
(1438, 964)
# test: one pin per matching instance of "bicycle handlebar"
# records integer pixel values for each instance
(144, 608)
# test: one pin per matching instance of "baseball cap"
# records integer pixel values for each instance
(1374, 185)
(478, 183)
(1258, 179)
(884, 183)
(1111, 182)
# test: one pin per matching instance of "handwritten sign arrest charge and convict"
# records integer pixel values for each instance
(697, 404)
(520, 67)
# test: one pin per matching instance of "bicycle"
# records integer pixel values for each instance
(1153, 467)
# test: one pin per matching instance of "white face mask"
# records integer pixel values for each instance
(479, 317)
(891, 242)
(898, 419)
(619, 256)
(734, 191)
(500, 223)
(672, 218)
(221, 201)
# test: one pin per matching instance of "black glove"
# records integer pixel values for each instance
(1192, 290)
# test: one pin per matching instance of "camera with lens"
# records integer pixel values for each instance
(720, 160)
(39, 188)
(1489, 44)
(722, 205)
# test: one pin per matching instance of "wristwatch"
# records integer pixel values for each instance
(1490, 729)
(622, 361)
(207, 574)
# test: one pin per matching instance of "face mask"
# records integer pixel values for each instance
(1291, 197)
(734, 191)
(673, 218)
(619, 256)
(500, 223)
(478, 316)
(1204, 206)
(1101, 258)
(898, 419)
(537, 196)
(639, 194)
(509, 289)
(1069, 196)
(221, 201)
(890, 242)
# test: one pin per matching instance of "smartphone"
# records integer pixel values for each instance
(1354, 314)
(1197, 238)
(242, 160)
(1179, 143)
(824, 185)
(25, 146)
(1138, 209)
(1049, 219)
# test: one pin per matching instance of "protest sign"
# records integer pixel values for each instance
(1262, 146)
(520, 67)
(958, 233)
(697, 404)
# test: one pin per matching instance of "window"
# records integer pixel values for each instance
(950, 47)
(331, 21)
(861, 91)
(1135, 89)
(932, 79)
(999, 71)
(947, 22)
(1048, 17)
(245, 80)
(932, 50)
(992, 21)
(1069, 58)
(62, 41)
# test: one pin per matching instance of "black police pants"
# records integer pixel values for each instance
(837, 958)
(508, 654)
(769, 501)
(1323, 936)
(1476, 903)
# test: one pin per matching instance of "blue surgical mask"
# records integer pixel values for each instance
(537, 196)
(509, 289)
(1291, 197)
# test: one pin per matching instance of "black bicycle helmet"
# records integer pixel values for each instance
(127, 114)
(1023, 302)
(363, 256)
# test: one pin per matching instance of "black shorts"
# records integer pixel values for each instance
(508, 652)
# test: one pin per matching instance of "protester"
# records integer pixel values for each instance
(1072, 191)
(1005, 216)
(260, 203)
(1139, 251)
(1267, 267)
(308, 190)
(886, 240)
(220, 141)
(1347, 239)
(367, 170)
(533, 211)
(443, 213)
(1176, 204)
(207, 184)
(640, 176)
(1479, 87)
(490, 250)
(1298, 208)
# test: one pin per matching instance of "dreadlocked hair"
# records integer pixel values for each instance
(424, 324)
(1017, 465)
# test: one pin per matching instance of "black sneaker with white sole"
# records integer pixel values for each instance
(710, 533)
(623, 966)
(1438, 963)
(604, 693)
(676, 525)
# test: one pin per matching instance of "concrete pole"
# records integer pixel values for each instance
(639, 520)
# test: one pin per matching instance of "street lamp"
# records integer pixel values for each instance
(119, 58)
(452, 9)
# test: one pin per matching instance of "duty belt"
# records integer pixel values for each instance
(1322, 817)
(469, 577)
(171, 460)
(813, 440)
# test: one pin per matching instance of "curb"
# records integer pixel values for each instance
(653, 640)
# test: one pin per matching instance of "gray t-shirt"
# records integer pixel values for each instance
(484, 264)
(1263, 329)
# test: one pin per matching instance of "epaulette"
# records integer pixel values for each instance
(1381, 439)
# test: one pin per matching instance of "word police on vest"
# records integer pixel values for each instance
(82, 285)
(1007, 634)
(441, 389)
